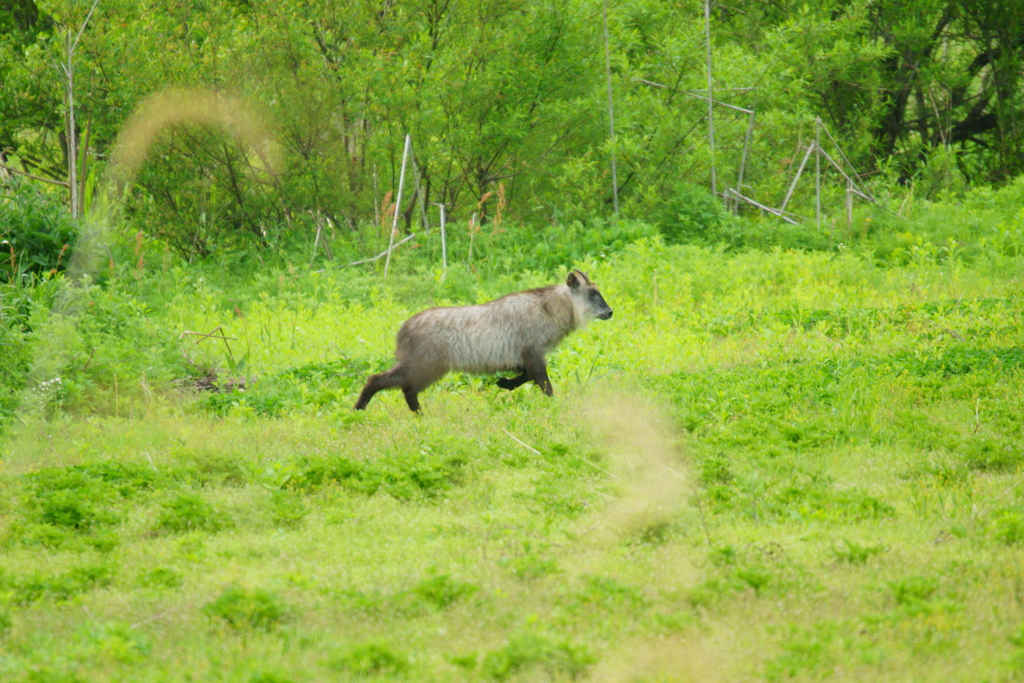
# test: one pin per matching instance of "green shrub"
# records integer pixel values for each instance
(287, 509)
(73, 510)
(78, 580)
(36, 233)
(804, 651)
(441, 590)
(1008, 526)
(552, 248)
(79, 502)
(241, 608)
(374, 658)
(119, 641)
(1017, 639)
(189, 512)
(405, 476)
(690, 214)
(317, 472)
(913, 590)
(18, 301)
(48, 675)
(269, 677)
(206, 467)
(527, 650)
(707, 593)
(103, 541)
(816, 500)
(529, 567)
(993, 455)
(857, 554)
(160, 577)
(755, 577)
(608, 593)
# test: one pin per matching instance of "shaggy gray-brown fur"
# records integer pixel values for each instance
(510, 334)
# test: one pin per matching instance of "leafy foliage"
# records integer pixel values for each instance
(527, 650)
(25, 590)
(834, 429)
(408, 476)
(691, 214)
(505, 104)
(441, 590)
(242, 608)
(190, 512)
(36, 232)
(372, 659)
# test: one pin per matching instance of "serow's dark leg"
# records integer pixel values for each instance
(394, 377)
(511, 383)
(537, 369)
(411, 399)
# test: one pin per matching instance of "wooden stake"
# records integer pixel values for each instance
(444, 244)
(849, 206)
(69, 74)
(611, 113)
(777, 212)
(743, 161)
(472, 232)
(398, 203)
(792, 186)
(383, 253)
(817, 171)
(376, 204)
(423, 200)
(711, 96)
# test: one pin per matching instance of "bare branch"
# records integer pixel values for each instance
(34, 177)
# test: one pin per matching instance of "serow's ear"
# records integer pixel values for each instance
(574, 280)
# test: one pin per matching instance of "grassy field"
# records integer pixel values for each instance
(766, 466)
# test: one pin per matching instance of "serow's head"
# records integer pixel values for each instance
(586, 298)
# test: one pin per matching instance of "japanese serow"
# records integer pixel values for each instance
(510, 334)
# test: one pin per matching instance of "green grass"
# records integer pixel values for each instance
(767, 466)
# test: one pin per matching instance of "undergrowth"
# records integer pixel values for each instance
(770, 464)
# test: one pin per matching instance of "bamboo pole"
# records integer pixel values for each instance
(472, 233)
(792, 186)
(864, 194)
(712, 102)
(711, 96)
(398, 203)
(376, 204)
(611, 112)
(83, 153)
(69, 74)
(849, 205)
(694, 94)
(778, 212)
(383, 253)
(743, 160)
(843, 173)
(423, 200)
(444, 243)
(817, 172)
(700, 94)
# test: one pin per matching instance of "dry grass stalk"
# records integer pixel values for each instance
(387, 211)
(501, 207)
(644, 453)
(140, 259)
(473, 228)
(179, 106)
